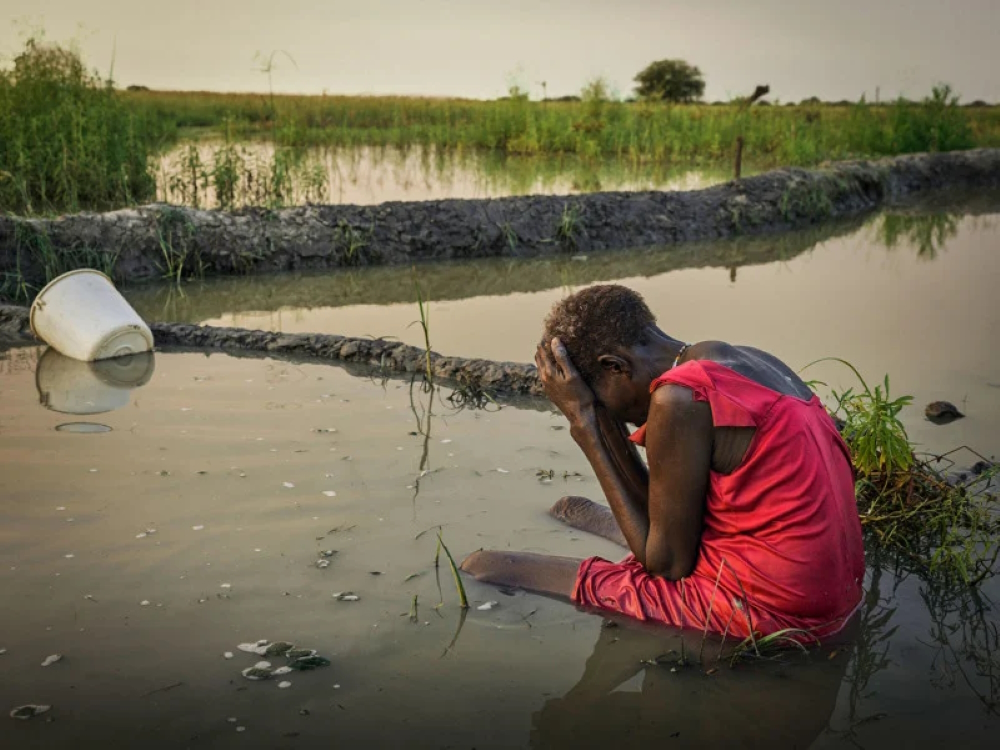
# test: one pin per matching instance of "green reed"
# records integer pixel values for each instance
(595, 127)
(939, 527)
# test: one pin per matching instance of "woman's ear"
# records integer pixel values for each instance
(614, 364)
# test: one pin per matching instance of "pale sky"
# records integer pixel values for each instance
(836, 49)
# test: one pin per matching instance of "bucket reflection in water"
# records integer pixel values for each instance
(70, 386)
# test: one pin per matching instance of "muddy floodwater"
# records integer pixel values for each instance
(157, 513)
(143, 554)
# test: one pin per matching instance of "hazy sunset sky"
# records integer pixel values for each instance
(836, 49)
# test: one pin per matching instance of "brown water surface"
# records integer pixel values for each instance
(143, 554)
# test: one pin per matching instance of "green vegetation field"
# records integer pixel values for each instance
(71, 141)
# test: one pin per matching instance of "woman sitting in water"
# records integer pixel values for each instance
(745, 519)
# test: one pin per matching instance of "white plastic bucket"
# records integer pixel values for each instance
(69, 386)
(82, 315)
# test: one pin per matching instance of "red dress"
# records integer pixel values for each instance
(781, 533)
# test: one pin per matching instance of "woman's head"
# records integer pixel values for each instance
(605, 330)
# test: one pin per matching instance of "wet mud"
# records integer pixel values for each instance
(154, 241)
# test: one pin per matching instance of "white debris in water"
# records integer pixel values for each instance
(502, 471)
(262, 665)
(28, 711)
(288, 485)
(322, 564)
(284, 684)
(251, 648)
(232, 719)
(185, 408)
(144, 603)
(346, 596)
(61, 507)
(241, 729)
(225, 585)
(141, 535)
(199, 527)
(256, 549)
(70, 556)
(93, 471)
(446, 441)
(227, 655)
(3, 651)
(281, 670)
(51, 659)
(329, 493)
(336, 687)
(488, 606)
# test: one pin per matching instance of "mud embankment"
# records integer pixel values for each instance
(374, 357)
(156, 241)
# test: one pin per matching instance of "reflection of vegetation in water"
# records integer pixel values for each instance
(231, 174)
(926, 233)
(871, 648)
(966, 638)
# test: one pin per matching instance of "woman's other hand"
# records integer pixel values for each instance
(563, 384)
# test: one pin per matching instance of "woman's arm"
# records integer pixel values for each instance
(661, 524)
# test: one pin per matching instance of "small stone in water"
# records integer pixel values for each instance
(281, 670)
(309, 662)
(277, 648)
(51, 659)
(300, 653)
(322, 564)
(262, 665)
(284, 684)
(26, 712)
(328, 552)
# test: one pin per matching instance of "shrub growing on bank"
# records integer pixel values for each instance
(67, 139)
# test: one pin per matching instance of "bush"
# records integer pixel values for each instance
(67, 141)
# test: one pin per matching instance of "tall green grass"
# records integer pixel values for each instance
(68, 140)
(637, 131)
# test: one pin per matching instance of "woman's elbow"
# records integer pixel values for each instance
(671, 567)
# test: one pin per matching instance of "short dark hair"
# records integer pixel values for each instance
(595, 321)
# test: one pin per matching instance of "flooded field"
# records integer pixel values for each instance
(157, 513)
(200, 520)
(210, 173)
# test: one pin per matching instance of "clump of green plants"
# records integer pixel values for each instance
(935, 525)
(37, 262)
(68, 140)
